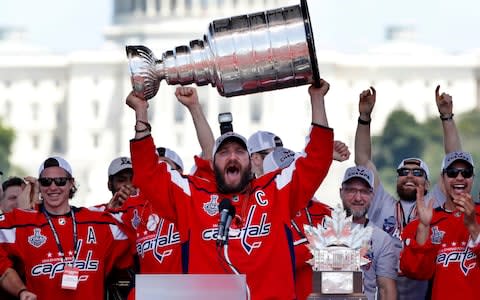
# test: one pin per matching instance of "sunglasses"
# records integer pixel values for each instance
(59, 181)
(453, 172)
(415, 172)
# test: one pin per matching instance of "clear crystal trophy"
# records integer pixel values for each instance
(239, 55)
(338, 251)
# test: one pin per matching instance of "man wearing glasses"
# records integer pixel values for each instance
(388, 212)
(66, 251)
(379, 276)
(443, 244)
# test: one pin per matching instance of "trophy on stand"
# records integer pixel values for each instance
(338, 253)
(238, 55)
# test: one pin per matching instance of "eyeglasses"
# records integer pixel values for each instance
(353, 191)
(415, 172)
(59, 181)
(453, 172)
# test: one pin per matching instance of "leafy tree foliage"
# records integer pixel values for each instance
(6, 139)
(404, 137)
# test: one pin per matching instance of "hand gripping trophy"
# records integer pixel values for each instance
(239, 55)
(338, 251)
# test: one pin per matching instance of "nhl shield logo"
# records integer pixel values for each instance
(37, 239)
(211, 207)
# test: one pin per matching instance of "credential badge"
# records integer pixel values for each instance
(37, 239)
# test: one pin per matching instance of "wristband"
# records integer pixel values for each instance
(148, 127)
(21, 291)
(363, 122)
(446, 117)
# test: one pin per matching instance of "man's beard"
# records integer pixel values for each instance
(357, 214)
(224, 188)
(407, 195)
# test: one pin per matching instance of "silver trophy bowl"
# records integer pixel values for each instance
(240, 55)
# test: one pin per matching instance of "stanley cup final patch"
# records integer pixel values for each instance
(211, 207)
(37, 239)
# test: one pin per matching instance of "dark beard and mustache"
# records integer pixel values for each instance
(224, 188)
(408, 195)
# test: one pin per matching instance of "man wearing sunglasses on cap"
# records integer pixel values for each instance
(388, 212)
(66, 251)
(443, 244)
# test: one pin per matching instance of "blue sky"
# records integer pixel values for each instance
(346, 25)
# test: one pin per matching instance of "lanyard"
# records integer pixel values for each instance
(401, 220)
(57, 239)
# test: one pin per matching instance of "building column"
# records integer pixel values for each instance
(165, 9)
(151, 10)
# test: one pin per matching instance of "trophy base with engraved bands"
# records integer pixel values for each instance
(337, 285)
(338, 252)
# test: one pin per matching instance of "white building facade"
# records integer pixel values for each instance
(74, 105)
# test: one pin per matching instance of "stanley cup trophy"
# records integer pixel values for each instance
(239, 55)
(338, 253)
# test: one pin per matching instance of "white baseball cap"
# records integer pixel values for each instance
(169, 153)
(55, 161)
(279, 158)
(457, 155)
(417, 161)
(119, 164)
(359, 172)
(228, 136)
(263, 140)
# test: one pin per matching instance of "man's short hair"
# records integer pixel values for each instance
(12, 181)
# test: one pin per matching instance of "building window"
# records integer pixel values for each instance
(95, 140)
(95, 109)
(35, 142)
(8, 108)
(179, 114)
(57, 145)
(256, 109)
(35, 111)
(204, 4)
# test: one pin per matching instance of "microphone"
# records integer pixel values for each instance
(227, 212)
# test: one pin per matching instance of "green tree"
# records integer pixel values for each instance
(404, 137)
(6, 139)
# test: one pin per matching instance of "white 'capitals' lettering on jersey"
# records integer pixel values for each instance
(53, 268)
(248, 231)
(171, 238)
(464, 256)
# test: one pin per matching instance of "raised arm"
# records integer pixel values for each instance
(189, 98)
(451, 137)
(317, 99)
(140, 106)
(363, 140)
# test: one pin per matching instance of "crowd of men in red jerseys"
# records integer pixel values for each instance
(241, 210)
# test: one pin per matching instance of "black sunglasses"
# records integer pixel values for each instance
(59, 181)
(415, 172)
(453, 172)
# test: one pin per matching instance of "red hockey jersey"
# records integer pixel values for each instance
(260, 242)
(446, 257)
(101, 245)
(157, 241)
